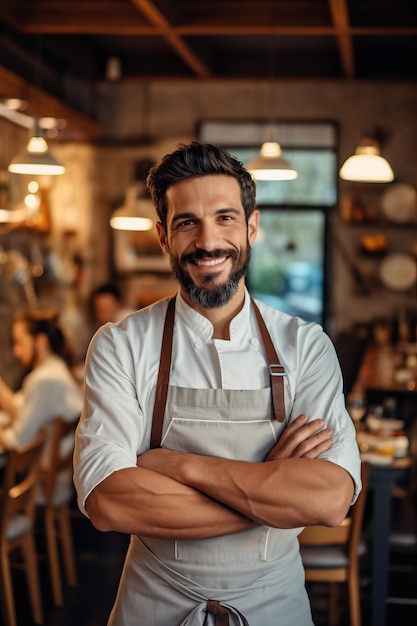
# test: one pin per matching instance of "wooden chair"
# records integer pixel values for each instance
(53, 504)
(17, 526)
(331, 555)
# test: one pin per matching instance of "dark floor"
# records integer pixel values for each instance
(100, 559)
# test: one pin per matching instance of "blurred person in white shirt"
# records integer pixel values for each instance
(48, 388)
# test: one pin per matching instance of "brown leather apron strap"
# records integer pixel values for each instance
(276, 370)
(163, 376)
(220, 612)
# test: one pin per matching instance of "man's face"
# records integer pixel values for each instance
(208, 240)
(24, 344)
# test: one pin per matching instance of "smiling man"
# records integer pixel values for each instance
(214, 427)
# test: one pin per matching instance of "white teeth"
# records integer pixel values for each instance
(210, 261)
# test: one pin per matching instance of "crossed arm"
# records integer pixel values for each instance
(186, 496)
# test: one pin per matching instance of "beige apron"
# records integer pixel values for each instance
(253, 577)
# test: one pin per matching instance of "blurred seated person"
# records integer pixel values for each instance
(48, 388)
(107, 305)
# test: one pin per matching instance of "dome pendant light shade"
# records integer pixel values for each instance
(36, 159)
(367, 165)
(136, 214)
(270, 164)
(120, 221)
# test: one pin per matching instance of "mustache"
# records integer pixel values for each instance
(205, 254)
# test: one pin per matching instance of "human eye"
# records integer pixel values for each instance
(226, 218)
(186, 223)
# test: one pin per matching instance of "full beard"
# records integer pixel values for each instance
(211, 296)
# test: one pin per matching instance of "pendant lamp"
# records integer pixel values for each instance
(137, 213)
(367, 165)
(271, 165)
(130, 219)
(36, 159)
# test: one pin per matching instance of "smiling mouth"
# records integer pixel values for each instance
(209, 262)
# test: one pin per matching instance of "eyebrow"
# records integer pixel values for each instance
(190, 215)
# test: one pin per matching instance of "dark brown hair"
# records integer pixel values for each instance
(45, 321)
(197, 159)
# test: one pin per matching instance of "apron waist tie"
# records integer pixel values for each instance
(221, 613)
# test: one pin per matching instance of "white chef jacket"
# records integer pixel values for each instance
(47, 392)
(122, 368)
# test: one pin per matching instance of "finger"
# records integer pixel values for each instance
(306, 446)
(297, 432)
(317, 450)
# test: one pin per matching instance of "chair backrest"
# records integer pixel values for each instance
(60, 457)
(349, 531)
(20, 481)
(324, 535)
(357, 512)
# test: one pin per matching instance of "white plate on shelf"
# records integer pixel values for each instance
(399, 203)
(398, 271)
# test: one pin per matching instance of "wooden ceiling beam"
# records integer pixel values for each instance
(65, 27)
(153, 14)
(340, 18)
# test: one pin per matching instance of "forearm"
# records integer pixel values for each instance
(143, 502)
(284, 493)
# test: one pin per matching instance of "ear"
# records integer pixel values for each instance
(163, 241)
(253, 224)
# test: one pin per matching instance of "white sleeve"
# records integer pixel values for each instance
(319, 394)
(111, 428)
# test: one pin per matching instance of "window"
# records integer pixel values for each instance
(287, 267)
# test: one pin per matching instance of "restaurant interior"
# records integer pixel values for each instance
(112, 86)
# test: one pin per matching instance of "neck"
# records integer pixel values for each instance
(221, 317)
(41, 356)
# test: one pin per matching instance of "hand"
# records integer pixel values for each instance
(302, 439)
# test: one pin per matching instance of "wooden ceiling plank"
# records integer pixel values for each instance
(340, 18)
(62, 24)
(151, 11)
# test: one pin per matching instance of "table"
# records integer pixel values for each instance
(377, 373)
(381, 482)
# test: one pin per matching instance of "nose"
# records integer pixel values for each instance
(206, 237)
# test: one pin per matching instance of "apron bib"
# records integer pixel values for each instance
(244, 578)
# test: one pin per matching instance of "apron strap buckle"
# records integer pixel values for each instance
(276, 369)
